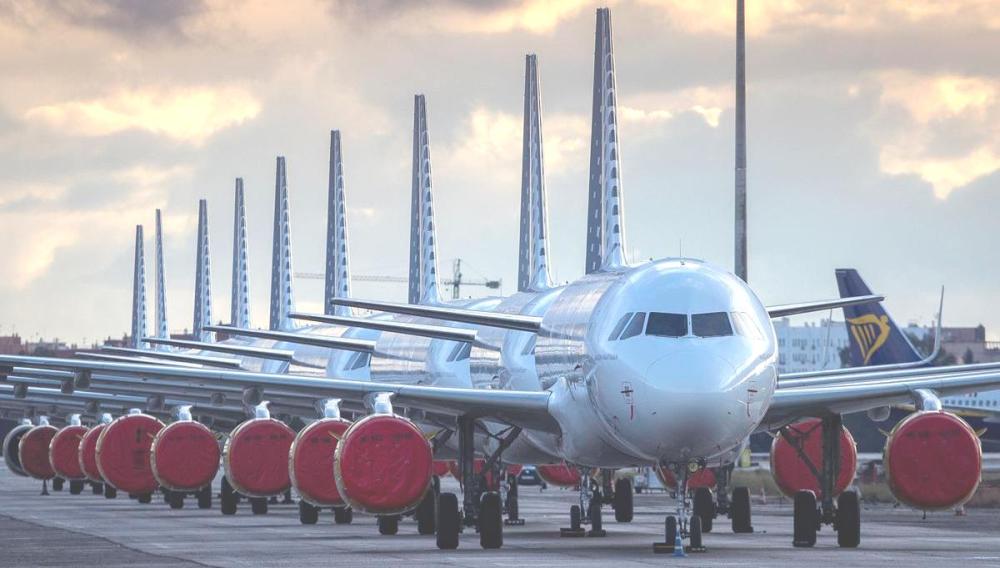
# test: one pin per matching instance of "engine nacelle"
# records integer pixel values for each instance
(64, 452)
(704, 477)
(442, 468)
(383, 465)
(10, 445)
(792, 474)
(477, 468)
(123, 453)
(88, 453)
(559, 474)
(33, 451)
(256, 457)
(310, 461)
(185, 456)
(933, 460)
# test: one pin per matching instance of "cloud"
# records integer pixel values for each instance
(471, 17)
(189, 115)
(656, 107)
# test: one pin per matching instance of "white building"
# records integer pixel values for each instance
(812, 346)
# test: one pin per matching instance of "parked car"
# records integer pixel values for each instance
(529, 476)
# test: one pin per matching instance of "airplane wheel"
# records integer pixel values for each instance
(109, 491)
(425, 514)
(695, 531)
(448, 521)
(575, 518)
(205, 497)
(343, 515)
(741, 510)
(57, 484)
(704, 507)
(175, 500)
(491, 520)
(75, 487)
(308, 513)
(848, 520)
(804, 535)
(623, 504)
(227, 504)
(97, 488)
(596, 521)
(388, 525)
(258, 505)
(670, 530)
(145, 498)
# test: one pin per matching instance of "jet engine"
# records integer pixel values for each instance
(123, 453)
(184, 456)
(10, 446)
(559, 474)
(33, 452)
(803, 441)
(704, 477)
(88, 453)
(256, 457)
(383, 465)
(310, 461)
(64, 452)
(933, 460)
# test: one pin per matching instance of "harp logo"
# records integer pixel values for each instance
(870, 332)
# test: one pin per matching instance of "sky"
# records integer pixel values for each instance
(874, 142)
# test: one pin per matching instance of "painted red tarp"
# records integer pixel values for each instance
(123, 453)
(185, 456)
(310, 464)
(256, 457)
(64, 452)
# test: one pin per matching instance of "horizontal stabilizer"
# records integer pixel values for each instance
(432, 331)
(299, 338)
(822, 305)
(244, 350)
(224, 362)
(489, 319)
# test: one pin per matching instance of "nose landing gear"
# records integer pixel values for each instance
(686, 524)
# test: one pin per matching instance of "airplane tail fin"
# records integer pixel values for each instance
(239, 312)
(138, 292)
(423, 245)
(203, 279)
(874, 337)
(533, 269)
(338, 272)
(162, 329)
(605, 210)
(282, 301)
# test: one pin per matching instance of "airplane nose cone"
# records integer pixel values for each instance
(690, 371)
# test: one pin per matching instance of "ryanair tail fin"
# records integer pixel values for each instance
(202, 279)
(282, 301)
(423, 248)
(874, 337)
(239, 311)
(138, 292)
(533, 269)
(338, 272)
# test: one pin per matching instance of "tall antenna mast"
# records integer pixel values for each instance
(740, 264)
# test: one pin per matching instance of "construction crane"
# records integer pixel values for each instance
(455, 282)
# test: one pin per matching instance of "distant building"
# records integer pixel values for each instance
(810, 346)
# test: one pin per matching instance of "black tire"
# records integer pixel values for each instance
(258, 505)
(205, 497)
(109, 491)
(227, 504)
(75, 487)
(695, 530)
(425, 513)
(740, 510)
(575, 518)
(491, 520)
(623, 504)
(388, 525)
(704, 507)
(848, 518)
(449, 523)
(596, 518)
(175, 500)
(308, 513)
(57, 483)
(804, 534)
(670, 530)
(145, 498)
(343, 515)
(97, 488)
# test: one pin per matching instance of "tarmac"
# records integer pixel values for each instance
(89, 530)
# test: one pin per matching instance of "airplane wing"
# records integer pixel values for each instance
(528, 409)
(822, 305)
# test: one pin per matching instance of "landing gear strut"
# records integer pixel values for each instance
(684, 524)
(588, 511)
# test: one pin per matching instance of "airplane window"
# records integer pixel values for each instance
(635, 326)
(619, 326)
(713, 324)
(745, 325)
(667, 325)
(360, 360)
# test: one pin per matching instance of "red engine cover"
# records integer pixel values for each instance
(559, 474)
(477, 467)
(64, 452)
(33, 452)
(933, 460)
(704, 477)
(310, 464)
(256, 457)
(88, 454)
(123, 453)
(792, 474)
(383, 465)
(185, 456)
(442, 468)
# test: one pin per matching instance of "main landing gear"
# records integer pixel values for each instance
(810, 512)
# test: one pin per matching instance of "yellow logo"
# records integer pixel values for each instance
(871, 332)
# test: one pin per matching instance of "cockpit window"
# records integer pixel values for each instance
(635, 326)
(713, 324)
(619, 327)
(358, 361)
(529, 347)
(460, 352)
(667, 325)
(745, 325)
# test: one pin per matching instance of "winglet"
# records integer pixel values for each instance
(138, 293)
(423, 247)
(533, 270)
(239, 312)
(203, 278)
(282, 302)
(338, 273)
(162, 329)
(605, 213)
